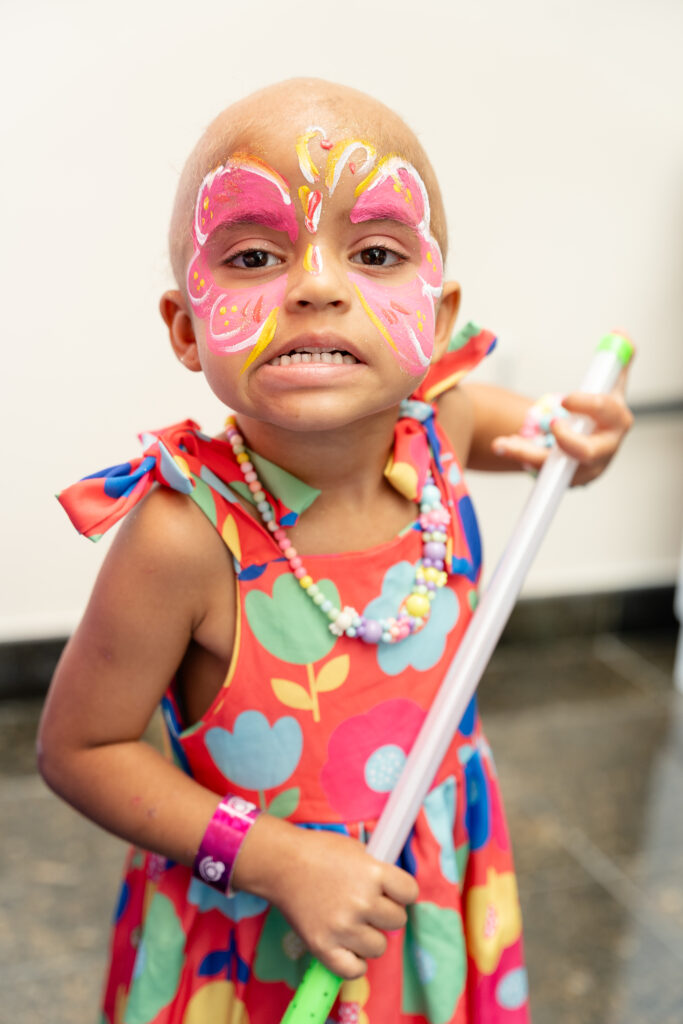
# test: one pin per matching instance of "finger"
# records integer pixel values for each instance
(605, 410)
(387, 915)
(368, 943)
(587, 448)
(344, 963)
(399, 886)
(520, 450)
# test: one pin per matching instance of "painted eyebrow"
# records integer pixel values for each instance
(383, 211)
(275, 219)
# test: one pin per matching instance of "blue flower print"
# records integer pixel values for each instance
(439, 807)
(466, 727)
(226, 961)
(236, 907)
(256, 755)
(512, 991)
(478, 814)
(421, 650)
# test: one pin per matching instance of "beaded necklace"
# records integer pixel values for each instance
(430, 574)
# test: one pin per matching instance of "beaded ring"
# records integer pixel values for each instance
(540, 416)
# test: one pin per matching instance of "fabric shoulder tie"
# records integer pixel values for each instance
(465, 351)
(180, 457)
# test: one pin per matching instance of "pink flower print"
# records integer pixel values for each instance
(365, 757)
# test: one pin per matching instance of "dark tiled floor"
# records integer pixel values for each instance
(588, 736)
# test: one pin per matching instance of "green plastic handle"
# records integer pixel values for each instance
(618, 343)
(314, 997)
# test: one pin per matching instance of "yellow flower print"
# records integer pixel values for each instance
(216, 1001)
(352, 998)
(493, 919)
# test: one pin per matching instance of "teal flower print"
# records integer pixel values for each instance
(158, 963)
(434, 962)
(421, 650)
(288, 624)
(236, 907)
(440, 807)
(281, 954)
(258, 756)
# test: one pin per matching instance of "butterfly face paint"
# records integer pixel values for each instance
(247, 190)
(243, 190)
(404, 315)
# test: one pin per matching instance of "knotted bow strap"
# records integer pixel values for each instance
(465, 350)
(415, 441)
(180, 457)
(415, 437)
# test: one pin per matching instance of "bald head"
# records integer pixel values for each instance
(249, 124)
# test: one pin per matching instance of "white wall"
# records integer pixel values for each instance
(555, 129)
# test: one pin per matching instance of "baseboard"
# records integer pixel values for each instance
(543, 618)
(26, 667)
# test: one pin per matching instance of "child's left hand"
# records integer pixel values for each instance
(613, 420)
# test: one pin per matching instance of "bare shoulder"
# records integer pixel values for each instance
(456, 416)
(166, 584)
(168, 555)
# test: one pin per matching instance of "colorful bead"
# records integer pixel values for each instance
(417, 605)
(372, 631)
(429, 575)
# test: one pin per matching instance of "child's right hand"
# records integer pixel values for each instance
(336, 896)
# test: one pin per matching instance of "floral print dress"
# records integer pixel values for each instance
(315, 728)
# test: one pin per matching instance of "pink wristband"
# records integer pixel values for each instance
(222, 840)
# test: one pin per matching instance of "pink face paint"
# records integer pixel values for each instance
(313, 261)
(311, 203)
(406, 313)
(243, 190)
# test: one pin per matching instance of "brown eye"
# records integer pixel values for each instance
(376, 256)
(253, 259)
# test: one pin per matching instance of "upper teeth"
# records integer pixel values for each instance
(313, 355)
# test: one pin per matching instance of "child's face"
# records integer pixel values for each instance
(314, 280)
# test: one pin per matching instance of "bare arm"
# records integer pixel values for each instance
(483, 423)
(156, 592)
(153, 594)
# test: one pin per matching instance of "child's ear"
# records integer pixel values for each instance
(445, 317)
(180, 329)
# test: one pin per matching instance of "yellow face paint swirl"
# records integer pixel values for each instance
(340, 154)
(308, 168)
(264, 339)
(375, 319)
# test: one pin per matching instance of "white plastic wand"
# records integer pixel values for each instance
(319, 987)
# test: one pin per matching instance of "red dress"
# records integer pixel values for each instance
(315, 728)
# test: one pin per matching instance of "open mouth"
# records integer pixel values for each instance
(313, 355)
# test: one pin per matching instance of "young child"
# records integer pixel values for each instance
(292, 592)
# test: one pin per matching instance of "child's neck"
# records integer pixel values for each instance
(347, 461)
(357, 507)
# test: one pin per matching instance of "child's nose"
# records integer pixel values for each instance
(318, 282)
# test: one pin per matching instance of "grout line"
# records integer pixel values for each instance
(616, 654)
(604, 871)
